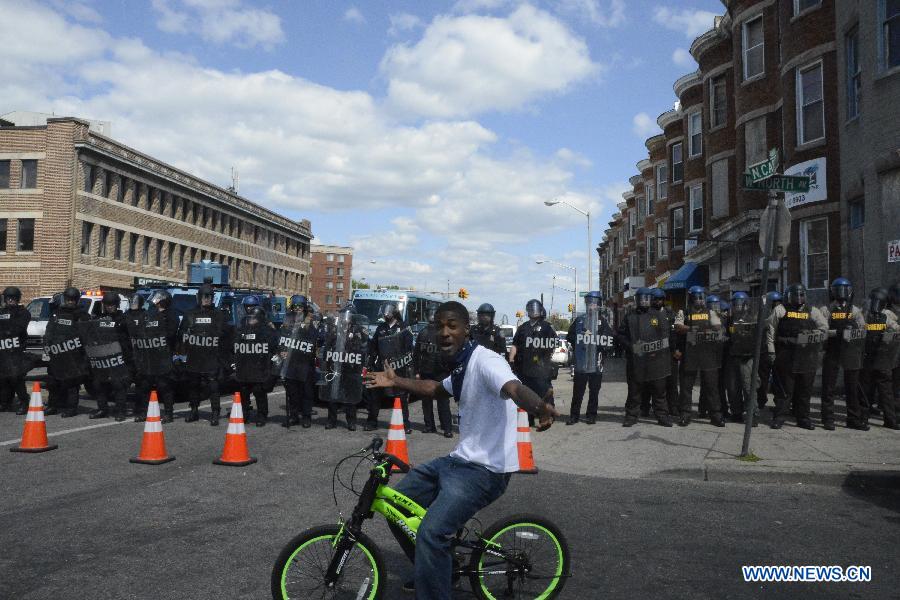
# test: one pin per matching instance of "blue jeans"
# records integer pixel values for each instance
(452, 490)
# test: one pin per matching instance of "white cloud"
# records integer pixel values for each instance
(608, 14)
(688, 21)
(468, 6)
(354, 15)
(683, 59)
(567, 155)
(470, 64)
(220, 22)
(644, 126)
(402, 22)
(78, 10)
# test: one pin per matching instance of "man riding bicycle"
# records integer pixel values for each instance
(454, 488)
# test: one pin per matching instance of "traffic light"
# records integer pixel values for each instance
(571, 307)
(463, 293)
(519, 314)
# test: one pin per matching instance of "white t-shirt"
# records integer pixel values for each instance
(487, 419)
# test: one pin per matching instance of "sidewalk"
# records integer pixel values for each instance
(702, 451)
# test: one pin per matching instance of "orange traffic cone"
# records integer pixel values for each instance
(523, 441)
(236, 453)
(34, 438)
(153, 445)
(396, 442)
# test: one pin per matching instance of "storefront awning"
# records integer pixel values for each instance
(689, 274)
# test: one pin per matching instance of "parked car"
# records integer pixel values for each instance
(561, 354)
(508, 331)
(91, 302)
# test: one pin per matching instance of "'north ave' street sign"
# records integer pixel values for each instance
(781, 183)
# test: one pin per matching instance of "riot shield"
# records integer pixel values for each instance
(150, 350)
(11, 350)
(346, 353)
(63, 345)
(703, 346)
(650, 355)
(252, 353)
(428, 357)
(885, 356)
(852, 347)
(297, 347)
(104, 350)
(587, 358)
(201, 336)
(540, 342)
(395, 350)
(807, 351)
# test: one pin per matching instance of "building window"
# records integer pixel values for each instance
(104, 237)
(341, 258)
(719, 185)
(132, 247)
(651, 199)
(340, 285)
(329, 270)
(195, 216)
(145, 252)
(25, 235)
(3, 228)
(163, 202)
(753, 48)
(86, 230)
(159, 249)
(677, 163)
(136, 194)
(120, 190)
(718, 101)
(329, 285)
(29, 174)
(814, 253)
(661, 234)
(117, 240)
(889, 34)
(329, 257)
(678, 227)
(107, 183)
(755, 141)
(857, 213)
(181, 253)
(4, 173)
(340, 271)
(802, 5)
(695, 133)
(632, 222)
(810, 104)
(327, 298)
(641, 206)
(170, 259)
(651, 251)
(88, 178)
(662, 177)
(851, 44)
(696, 196)
(641, 259)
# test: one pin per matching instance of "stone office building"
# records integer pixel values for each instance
(79, 208)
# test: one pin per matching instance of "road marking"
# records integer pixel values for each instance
(126, 422)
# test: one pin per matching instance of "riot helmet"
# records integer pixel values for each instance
(161, 299)
(593, 298)
(657, 298)
(136, 302)
(389, 312)
(485, 314)
(774, 298)
(643, 298)
(543, 312)
(12, 293)
(71, 296)
(796, 295)
(255, 316)
(713, 302)
(878, 300)
(534, 308)
(110, 302)
(346, 315)
(430, 312)
(249, 302)
(841, 290)
(740, 302)
(299, 302)
(56, 300)
(206, 295)
(697, 296)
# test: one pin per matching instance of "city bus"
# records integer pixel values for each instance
(412, 305)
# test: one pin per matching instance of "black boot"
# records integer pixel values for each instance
(51, 410)
(100, 413)
(23, 408)
(214, 417)
(168, 416)
(192, 416)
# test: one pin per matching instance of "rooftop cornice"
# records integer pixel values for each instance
(682, 84)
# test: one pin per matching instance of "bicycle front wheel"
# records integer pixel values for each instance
(299, 572)
(534, 561)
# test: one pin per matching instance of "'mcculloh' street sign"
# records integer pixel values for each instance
(781, 183)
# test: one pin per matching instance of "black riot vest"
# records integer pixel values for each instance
(428, 357)
(62, 343)
(297, 344)
(150, 348)
(537, 349)
(799, 341)
(649, 335)
(881, 344)
(703, 342)
(13, 330)
(201, 335)
(849, 341)
(490, 337)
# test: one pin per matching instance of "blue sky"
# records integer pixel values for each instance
(425, 134)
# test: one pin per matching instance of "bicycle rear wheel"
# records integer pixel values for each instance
(531, 540)
(299, 571)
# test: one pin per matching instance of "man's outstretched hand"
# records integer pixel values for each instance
(546, 416)
(379, 379)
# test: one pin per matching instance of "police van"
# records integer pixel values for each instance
(413, 305)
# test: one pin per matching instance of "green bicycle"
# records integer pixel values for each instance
(521, 556)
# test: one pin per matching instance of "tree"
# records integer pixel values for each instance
(359, 285)
(559, 323)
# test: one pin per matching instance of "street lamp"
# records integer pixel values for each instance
(588, 215)
(564, 266)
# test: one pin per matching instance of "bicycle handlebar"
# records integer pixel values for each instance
(375, 446)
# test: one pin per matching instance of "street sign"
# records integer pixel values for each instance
(781, 221)
(780, 183)
(762, 170)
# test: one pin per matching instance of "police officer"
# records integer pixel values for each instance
(428, 362)
(844, 350)
(532, 350)
(739, 362)
(107, 347)
(486, 333)
(14, 364)
(346, 344)
(203, 337)
(700, 334)
(152, 329)
(795, 334)
(882, 341)
(589, 336)
(714, 303)
(68, 365)
(894, 299)
(773, 299)
(658, 303)
(253, 348)
(645, 335)
(297, 345)
(391, 346)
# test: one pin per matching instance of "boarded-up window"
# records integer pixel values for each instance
(755, 141)
(719, 173)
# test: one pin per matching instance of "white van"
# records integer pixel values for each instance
(39, 308)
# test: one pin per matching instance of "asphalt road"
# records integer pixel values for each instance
(83, 521)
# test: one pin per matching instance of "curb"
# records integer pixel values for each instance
(861, 476)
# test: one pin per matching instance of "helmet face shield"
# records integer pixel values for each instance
(842, 292)
(534, 309)
(796, 296)
(389, 311)
(739, 305)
